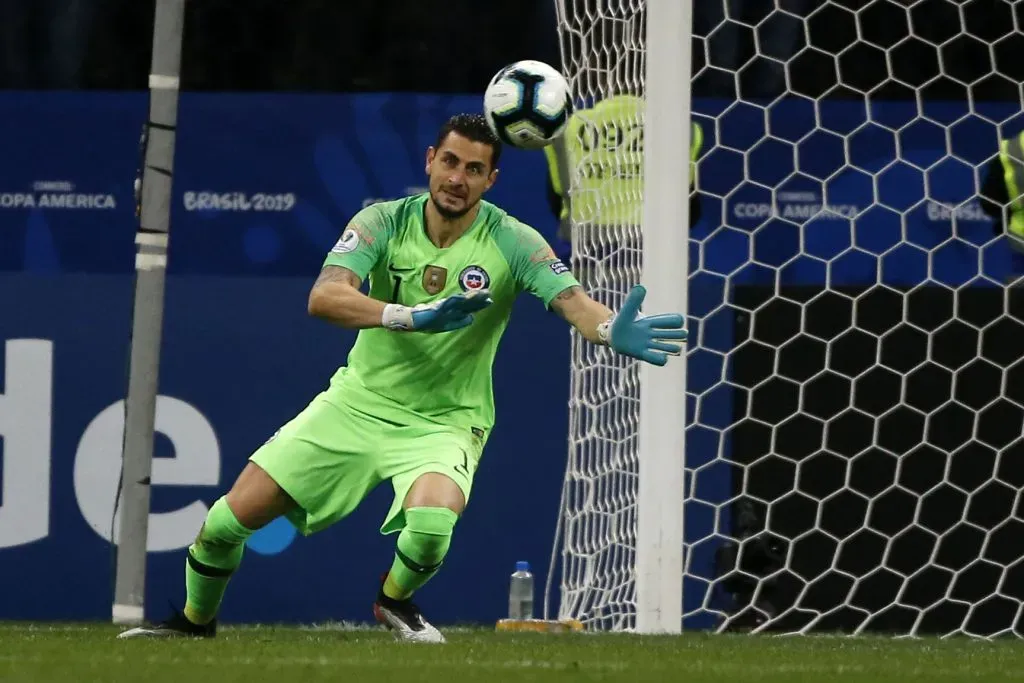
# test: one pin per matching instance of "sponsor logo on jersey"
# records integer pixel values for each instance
(434, 279)
(557, 267)
(366, 236)
(473, 278)
(349, 241)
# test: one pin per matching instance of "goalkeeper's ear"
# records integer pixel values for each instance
(491, 179)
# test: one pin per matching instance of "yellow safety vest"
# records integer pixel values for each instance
(604, 150)
(1011, 154)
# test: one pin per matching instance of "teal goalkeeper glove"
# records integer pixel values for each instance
(635, 335)
(443, 315)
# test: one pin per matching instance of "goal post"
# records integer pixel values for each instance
(852, 402)
(622, 516)
(131, 524)
(665, 227)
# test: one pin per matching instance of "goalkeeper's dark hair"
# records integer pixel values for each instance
(472, 127)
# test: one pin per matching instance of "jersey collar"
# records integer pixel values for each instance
(421, 218)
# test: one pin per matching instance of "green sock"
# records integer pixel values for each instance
(421, 548)
(212, 559)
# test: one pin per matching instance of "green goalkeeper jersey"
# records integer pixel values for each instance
(440, 377)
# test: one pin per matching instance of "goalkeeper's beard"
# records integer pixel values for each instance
(451, 214)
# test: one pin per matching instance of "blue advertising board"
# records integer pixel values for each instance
(240, 357)
(263, 185)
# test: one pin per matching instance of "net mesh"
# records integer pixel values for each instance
(603, 50)
(855, 398)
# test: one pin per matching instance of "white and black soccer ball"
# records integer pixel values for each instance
(527, 104)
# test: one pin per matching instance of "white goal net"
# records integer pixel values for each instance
(855, 388)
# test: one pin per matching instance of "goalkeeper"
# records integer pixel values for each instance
(414, 404)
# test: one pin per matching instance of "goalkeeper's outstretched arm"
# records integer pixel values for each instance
(336, 297)
(647, 338)
(579, 310)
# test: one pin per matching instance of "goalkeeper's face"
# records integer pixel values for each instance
(460, 172)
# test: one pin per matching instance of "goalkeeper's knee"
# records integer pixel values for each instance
(424, 541)
(218, 547)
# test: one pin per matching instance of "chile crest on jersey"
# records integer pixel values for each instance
(474, 278)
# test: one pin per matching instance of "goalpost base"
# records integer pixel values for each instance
(539, 625)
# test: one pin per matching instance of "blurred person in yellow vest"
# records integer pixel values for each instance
(595, 177)
(595, 169)
(1002, 197)
(609, 188)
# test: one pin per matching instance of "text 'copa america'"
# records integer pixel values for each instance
(59, 194)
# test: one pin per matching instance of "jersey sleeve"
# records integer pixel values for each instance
(533, 262)
(363, 241)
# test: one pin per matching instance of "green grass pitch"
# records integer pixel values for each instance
(80, 653)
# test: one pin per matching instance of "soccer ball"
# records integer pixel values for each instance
(527, 104)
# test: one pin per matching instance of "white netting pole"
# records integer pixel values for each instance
(659, 552)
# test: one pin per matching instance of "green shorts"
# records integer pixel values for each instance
(331, 456)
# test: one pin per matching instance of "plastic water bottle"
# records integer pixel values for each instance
(520, 593)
